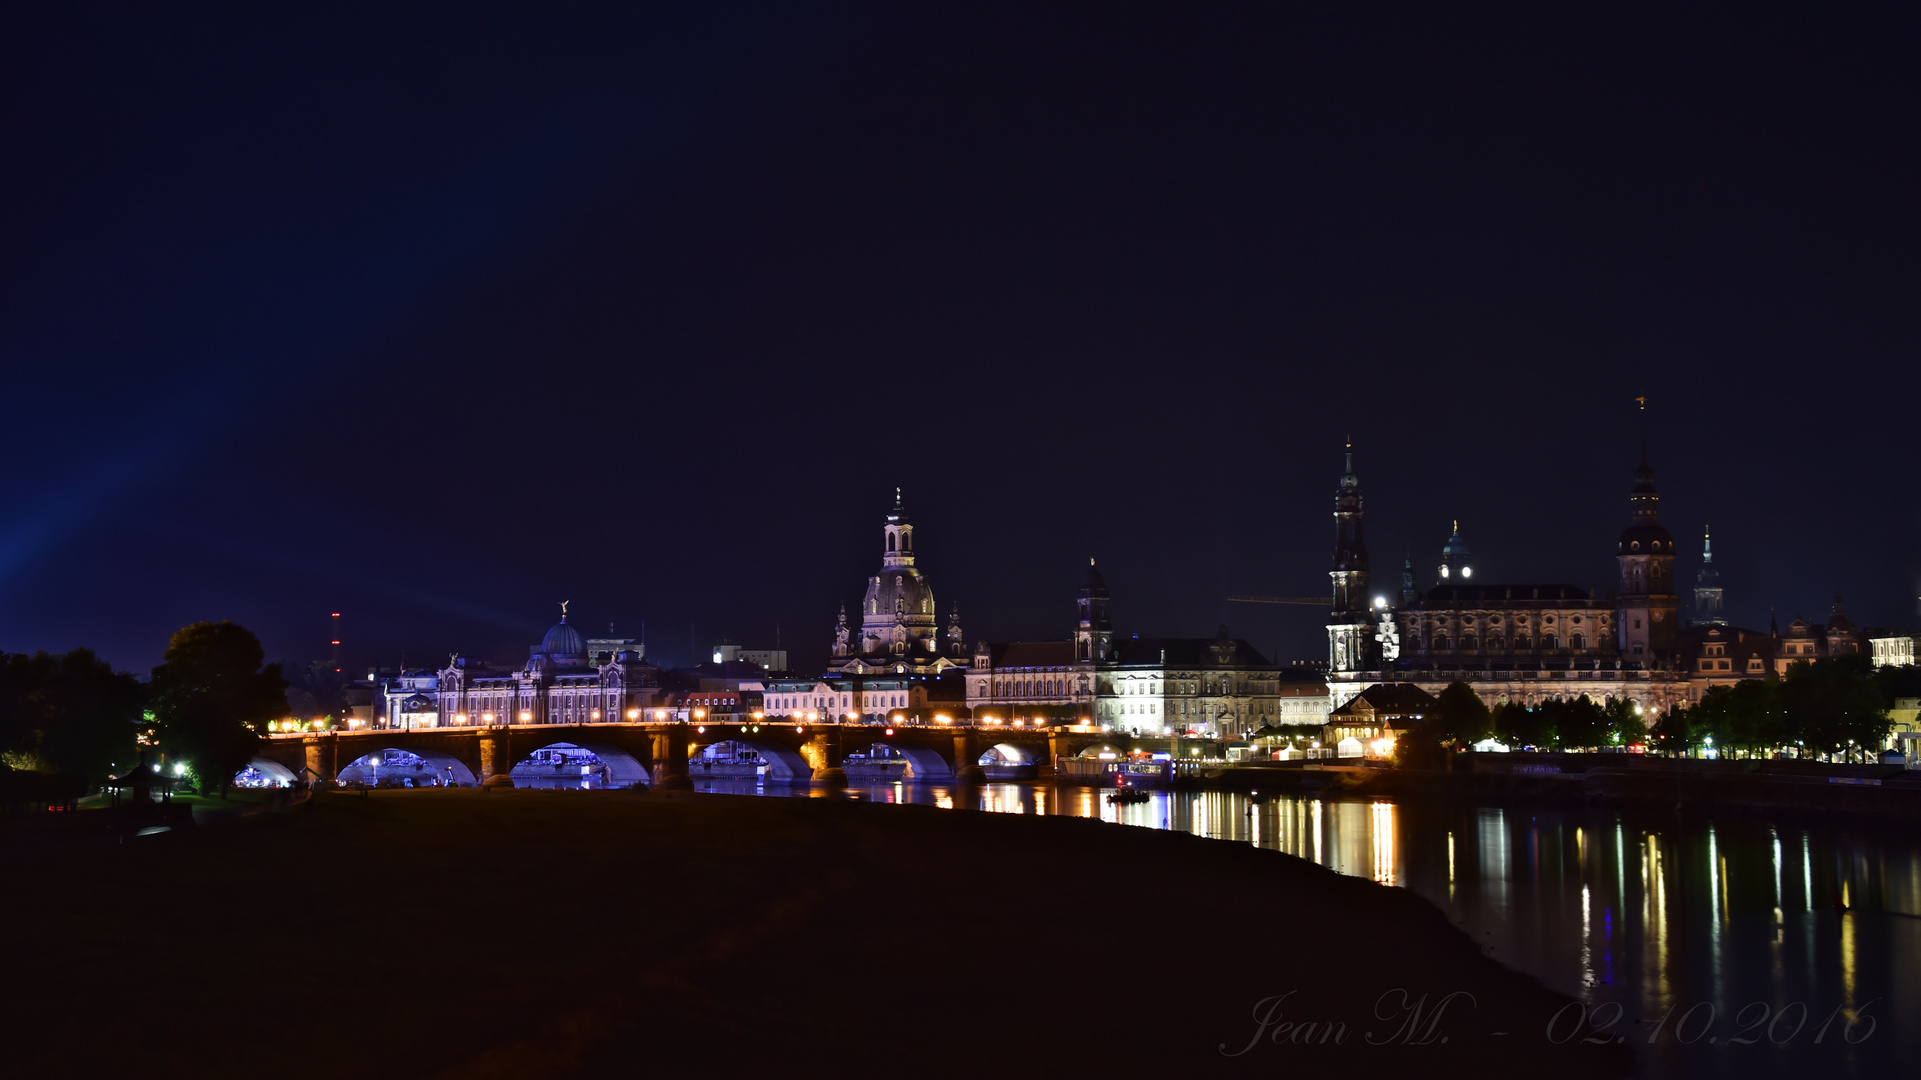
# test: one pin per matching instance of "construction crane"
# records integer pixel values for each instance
(1308, 601)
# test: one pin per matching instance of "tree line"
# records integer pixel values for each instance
(1831, 707)
(69, 721)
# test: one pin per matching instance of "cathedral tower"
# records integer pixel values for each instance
(1094, 633)
(1349, 629)
(1707, 587)
(1648, 603)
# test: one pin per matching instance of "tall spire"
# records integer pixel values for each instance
(1349, 631)
(1708, 604)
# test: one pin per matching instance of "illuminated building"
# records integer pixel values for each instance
(1521, 643)
(1367, 724)
(1220, 687)
(898, 630)
(558, 685)
(1056, 679)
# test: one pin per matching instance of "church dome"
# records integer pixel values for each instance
(1645, 539)
(899, 589)
(563, 641)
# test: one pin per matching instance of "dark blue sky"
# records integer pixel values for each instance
(438, 316)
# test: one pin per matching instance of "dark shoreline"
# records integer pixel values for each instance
(549, 934)
(1797, 789)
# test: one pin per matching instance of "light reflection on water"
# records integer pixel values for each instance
(1657, 913)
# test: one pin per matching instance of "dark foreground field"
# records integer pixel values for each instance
(520, 934)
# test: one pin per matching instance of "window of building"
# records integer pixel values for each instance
(1549, 642)
(1577, 642)
(1440, 641)
(1467, 641)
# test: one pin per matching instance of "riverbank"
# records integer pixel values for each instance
(517, 934)
(1869, 792)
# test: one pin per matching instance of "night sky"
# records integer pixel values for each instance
(436, 316)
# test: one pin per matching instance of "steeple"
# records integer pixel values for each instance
(1407, 580)
(1094, 632)
(1645, 551)
(898, 536)
(1350, 542)
(1350, 635)
(1707, 586)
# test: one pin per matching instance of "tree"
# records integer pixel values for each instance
(1464, 717)
(1680, 729)
(1833, 704)
(212, 698)
(1626, 727)
(70, 714)
(1518, 727)
(1578, 724)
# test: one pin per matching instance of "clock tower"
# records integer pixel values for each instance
(1649, 605)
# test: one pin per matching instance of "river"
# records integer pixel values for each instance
(1726, 946)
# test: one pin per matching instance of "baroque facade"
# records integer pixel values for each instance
(899, 632)
(1058, 679)
(1519, 643)
(1220, 686)
(560, 684)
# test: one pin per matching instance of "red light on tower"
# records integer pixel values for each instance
(336, 643)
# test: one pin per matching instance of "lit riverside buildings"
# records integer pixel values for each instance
(1511, 642)
(1530, 642)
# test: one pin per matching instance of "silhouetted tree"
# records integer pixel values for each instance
(213, 698)
(1578, 725)
(1518, 727)
(68, 713)
(1464, 717)
(1833, 704)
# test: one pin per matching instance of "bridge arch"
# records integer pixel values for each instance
(260, 772)
(421, 768)
(585, 764)
(1010, 761)
(784, 764)
(923, 762)
(1008, 753)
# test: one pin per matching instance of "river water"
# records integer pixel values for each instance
(1727, 946)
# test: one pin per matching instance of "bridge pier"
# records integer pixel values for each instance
(496, 758)
(671, 749)
(824, 753)
(967, 764)
(320, 753)
(1055, 747)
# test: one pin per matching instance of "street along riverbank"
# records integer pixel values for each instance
(470, 933)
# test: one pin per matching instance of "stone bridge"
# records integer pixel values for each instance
(658, 753)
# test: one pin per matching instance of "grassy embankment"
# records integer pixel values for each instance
(528, 934)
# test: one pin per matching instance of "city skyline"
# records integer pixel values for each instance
(1290, 636)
